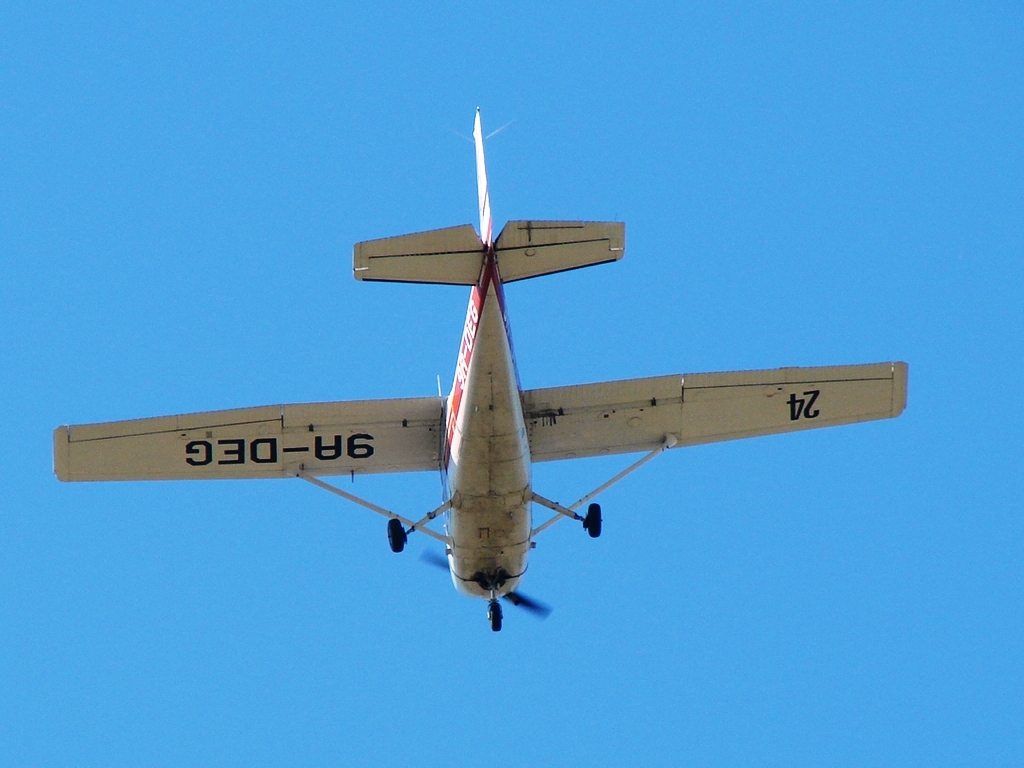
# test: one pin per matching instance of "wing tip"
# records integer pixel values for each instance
(900, 371)
(61, 453)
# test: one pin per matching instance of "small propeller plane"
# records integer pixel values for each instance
(484, 436)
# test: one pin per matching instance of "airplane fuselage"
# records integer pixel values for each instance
(487, 455)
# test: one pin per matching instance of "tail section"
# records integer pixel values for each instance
(533, 248)
(455, 255)
(486, 224)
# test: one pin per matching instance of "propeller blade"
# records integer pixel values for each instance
(431, 557)
(537, 608)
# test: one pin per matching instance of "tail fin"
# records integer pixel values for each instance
(486, 225)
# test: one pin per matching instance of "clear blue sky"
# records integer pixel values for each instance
(810, 184)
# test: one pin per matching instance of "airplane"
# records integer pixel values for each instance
(484, 436)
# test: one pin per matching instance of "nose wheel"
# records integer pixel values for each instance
(494, 615)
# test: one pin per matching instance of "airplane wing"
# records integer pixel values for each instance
(635, 415)
(363, 436)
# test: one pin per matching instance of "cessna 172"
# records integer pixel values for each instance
(483, 437)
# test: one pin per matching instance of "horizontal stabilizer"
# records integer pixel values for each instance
(361, 437)
(636, 414)
(451, 256)
(531, 248)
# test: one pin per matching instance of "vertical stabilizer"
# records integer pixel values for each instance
(486, 226)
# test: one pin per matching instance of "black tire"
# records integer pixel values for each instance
(494, 616)
(592, 522)
(396, 535)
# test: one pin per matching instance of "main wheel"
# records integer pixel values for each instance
(396, 535)
(592, 522)
(494, 615)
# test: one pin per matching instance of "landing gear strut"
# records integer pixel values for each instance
(494, 615)
(592, 522)
(396, 535)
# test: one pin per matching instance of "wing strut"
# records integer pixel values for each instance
(570, 511)
(409, 524)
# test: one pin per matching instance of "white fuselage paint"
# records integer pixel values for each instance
(487, 454)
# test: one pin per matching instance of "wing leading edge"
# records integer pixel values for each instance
(636, 414)
(363, 436)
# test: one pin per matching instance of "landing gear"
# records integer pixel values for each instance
(396, 535)
(494, 615)
(592, 522)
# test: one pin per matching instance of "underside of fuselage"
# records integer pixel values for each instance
(489, 456)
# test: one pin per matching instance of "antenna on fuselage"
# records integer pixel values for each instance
(495, 133)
